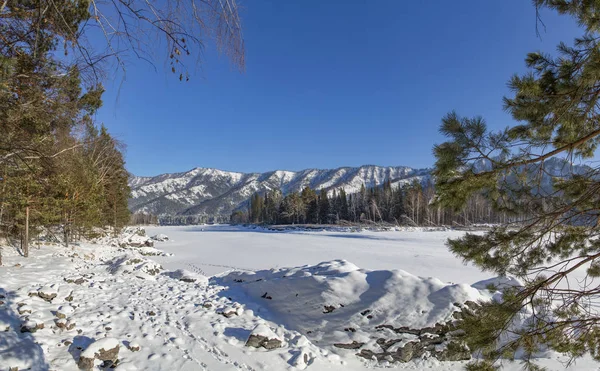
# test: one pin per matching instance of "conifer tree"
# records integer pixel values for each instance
(528, 172)
(324, 207)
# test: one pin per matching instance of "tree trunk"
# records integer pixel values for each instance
(26, 239)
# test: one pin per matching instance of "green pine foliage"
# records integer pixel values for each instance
(526, 172)
(54, 162)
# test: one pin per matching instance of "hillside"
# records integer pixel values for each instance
(203, 191)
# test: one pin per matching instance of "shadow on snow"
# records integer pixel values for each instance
(17, 349)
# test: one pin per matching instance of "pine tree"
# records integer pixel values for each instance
(344, 212)
(527, 173)
(324, 207)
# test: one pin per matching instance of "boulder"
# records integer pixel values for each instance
(106, 349)
(48, 293)
(134, 347)
(228, 311)
(263, 336)
(32, 326)
(160, 237)
(24, 309)
(64, 310)
(454, 351)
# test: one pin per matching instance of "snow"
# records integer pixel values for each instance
(403, 278)
(321, 301)
(210, 250)
(161, 237)
(98, 345)
(264, 330)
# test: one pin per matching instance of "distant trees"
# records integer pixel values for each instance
(143, 219)
(408, 204)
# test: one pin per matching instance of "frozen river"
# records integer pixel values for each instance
(218, 248)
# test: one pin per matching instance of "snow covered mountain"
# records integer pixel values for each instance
(203, 191)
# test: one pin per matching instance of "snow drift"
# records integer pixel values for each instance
(338, 304)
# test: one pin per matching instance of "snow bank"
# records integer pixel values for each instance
(337, 302)
(139, 267)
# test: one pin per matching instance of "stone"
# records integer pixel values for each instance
(160, 237)
(24, 309)
(455, 351)
(47, 293)
(258, 341)
(228, 312)
(134, 347)
(263, 336)
(106, 350)
(328, 309)
(353, 345)
(31, 326)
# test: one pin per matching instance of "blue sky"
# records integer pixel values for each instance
(328, 84)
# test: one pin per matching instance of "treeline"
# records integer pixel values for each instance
(58, 169)
(192, 219)
(143, 218)
(409, 204)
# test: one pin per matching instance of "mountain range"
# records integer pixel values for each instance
(212, 192)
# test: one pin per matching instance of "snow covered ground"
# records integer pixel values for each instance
(165, 314)
(217, 248)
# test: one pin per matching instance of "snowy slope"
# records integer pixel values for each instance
(214, 192)
(79, 300)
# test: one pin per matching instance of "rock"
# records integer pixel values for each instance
(455, 351)
(75, 280)
(401, 330)
(4, 326)
(404, 354)
(353, 345)
(328, 309)
(24, 309)
(47, 293)
(408, 352)
(106, 349)
(65, 324)
(431, 339)
(61, 323)
(263, 336)
(64, 310)
(160, 237)
(134, 347)
(228, 312)
(437, 329)
(186, 276)
(32, 326)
